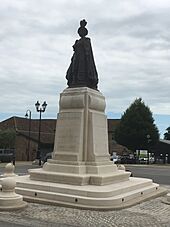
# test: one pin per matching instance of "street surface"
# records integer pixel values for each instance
(159, 174)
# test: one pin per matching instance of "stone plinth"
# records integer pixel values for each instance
(81, 132)
(80, 155)
(9, 171)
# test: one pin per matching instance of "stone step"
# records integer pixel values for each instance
(87, 190)
(123, 199)
(79, 179)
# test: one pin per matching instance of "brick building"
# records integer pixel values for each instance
(162, 151)
(25, 146)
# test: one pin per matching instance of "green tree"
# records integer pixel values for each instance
(167, 134)
(7, 138)
(137, 127)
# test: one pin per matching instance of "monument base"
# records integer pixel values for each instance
(80, 173)
(104, 197)
(80, 155)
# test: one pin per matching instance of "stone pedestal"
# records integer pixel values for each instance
(81, 132)
(9, 200)
(80, 155)
(80, 173)
(9, 171)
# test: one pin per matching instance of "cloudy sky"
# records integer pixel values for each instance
(131, 45)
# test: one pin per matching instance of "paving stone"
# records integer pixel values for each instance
(151, 213)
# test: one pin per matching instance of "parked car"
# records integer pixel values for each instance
(126, 160)
(143, 160)
(114, 158)
(7, 155)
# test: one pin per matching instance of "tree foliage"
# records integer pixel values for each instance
(7, 138)
(135, 126)
(167, 134)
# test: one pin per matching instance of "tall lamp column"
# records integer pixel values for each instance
(40, 110)
(148, 141)
(29, 131)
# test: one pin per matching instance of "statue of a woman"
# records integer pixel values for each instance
(82, 70)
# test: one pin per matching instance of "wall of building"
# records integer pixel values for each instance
(9, 123)
(21, 148)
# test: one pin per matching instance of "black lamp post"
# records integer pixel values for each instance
(40, 110)
(148, 141)
(28, 114)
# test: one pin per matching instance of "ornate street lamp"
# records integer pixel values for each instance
(28, 114)
(40, 110)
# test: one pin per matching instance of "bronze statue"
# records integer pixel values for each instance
(82, 70)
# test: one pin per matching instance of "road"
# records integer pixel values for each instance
(159, 174)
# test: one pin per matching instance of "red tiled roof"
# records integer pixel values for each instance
(21, 125)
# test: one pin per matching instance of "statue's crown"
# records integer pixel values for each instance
(82, 31)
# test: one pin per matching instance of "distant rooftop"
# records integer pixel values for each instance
(165, 141)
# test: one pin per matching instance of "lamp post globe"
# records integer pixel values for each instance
(40, 109)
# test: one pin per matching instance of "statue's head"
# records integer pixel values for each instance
(82, 31)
